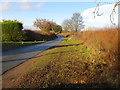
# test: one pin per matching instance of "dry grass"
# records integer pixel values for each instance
(103, 40)
(107, 42)
(65, 34)
(32, 35)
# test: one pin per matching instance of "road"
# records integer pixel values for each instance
(12, 58)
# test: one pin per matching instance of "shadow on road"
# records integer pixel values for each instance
(22, 59)
(42, 55)
(64, 46)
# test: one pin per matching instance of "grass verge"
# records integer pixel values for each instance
(69, 64)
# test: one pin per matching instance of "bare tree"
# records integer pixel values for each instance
(67, 25)
(73, 24)
(77, 20)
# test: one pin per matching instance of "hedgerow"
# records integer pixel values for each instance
(12, 30)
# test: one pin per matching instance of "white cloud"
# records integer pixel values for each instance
(38, 5)
(100, 21)
(27, 5)
(24, 5)
(4, 6)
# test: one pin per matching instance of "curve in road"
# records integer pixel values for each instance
(12, 58)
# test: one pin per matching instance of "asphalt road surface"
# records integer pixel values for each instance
(12, 58)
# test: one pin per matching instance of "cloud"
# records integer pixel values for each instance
(4, 6)
(24, 5)
(38, 5)
(100, 21)
(27, 5)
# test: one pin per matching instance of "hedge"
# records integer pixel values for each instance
(38, 35)
(12, 31)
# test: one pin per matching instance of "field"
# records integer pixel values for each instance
(68, 64)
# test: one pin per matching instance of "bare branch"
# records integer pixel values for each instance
(113, 11)
(96, 11)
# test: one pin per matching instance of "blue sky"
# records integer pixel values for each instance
(56, 11)
(27, 12)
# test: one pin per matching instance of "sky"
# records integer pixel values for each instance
(27, 12)
(103, 20)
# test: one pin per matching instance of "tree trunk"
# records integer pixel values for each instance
(75, 29)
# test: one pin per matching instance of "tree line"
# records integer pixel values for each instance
(12, 30)
(73, 24)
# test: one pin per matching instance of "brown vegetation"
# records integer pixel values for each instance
(65, 34)
(103, 40)
(107, 42)
(46, 25)
(32, 35)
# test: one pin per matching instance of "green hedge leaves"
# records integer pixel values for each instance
(12, 31)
